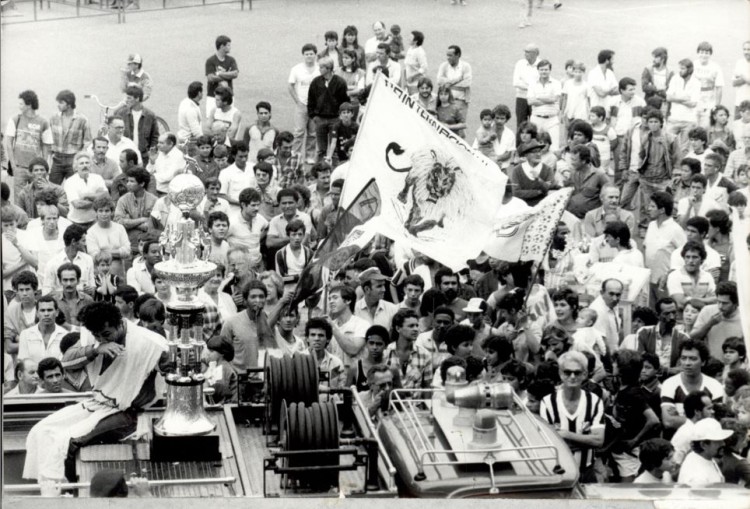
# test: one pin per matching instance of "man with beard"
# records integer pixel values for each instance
(655, 79)
(700, 467)
(433, 340)
(27, 196)
(447, 282)
(693, 355)
(663, 339)
(683, 94)
(603, 85)
(123, 351)
(349, 330)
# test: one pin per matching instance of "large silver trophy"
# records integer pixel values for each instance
(185, 268)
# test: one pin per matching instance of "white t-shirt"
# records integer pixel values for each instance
(301, 76)
(606, 81)
(710, 77)
(742, 69)
(698, 471)
(576, 106)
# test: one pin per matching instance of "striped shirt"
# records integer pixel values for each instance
(590, 413)
(72, 140)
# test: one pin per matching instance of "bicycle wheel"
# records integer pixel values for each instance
(163, 126)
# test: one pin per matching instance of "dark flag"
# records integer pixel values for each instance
(337, 249)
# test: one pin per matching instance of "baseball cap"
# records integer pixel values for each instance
(135, 58)
(372, 274)
(346, 106)
(710, 429)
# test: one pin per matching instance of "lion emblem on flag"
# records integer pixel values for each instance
(437, 186)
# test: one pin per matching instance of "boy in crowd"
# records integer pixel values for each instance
(486, 134)
(343, 131)
(292, 258)
(267, 188)
(207, 167)
(218, 226)
(655, 456)
(318, 333)
(605, 139)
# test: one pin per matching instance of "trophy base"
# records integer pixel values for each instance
(185, 448)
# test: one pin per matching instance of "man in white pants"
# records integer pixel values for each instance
(544, 99)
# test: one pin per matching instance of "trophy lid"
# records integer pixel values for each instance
(186, 192)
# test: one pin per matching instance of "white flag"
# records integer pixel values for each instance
(439, 196)
(525, 236)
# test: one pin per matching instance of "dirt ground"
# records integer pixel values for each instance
(85, 54)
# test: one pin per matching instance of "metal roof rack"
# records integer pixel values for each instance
(539, 455)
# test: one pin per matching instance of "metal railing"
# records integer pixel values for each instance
(408, 406)
(29, 11)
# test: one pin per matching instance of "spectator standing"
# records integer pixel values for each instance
(457, 75)
(81, 189)
(70, 135)
(602, 82)
(524, 74)
(189, 116)
(300, 79)
(683, 94)
(371, 45)
(655, 78)
(711, 79)
(415, 62)
(221, 70)
(140, 122)
(697, 406)
(544, 99)
(663, 339)
(587, 182)
(133, 209)
(326, 93)
(134, 75)
(741, 79)
(577, 414)
(28, 136)
(166, 161)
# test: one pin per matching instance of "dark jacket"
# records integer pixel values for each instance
(283, 268)
(531, 191)
(647, 342)
(324, 101)
(647, 83)
(148, 129)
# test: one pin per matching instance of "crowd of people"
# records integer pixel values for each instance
(658, 168)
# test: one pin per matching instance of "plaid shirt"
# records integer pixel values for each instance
(417, 372)
(211, 321)
(74, 139)
(289, 172)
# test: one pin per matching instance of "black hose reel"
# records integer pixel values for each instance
(294, 379)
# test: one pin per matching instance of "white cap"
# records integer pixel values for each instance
(475, 306)
(710, 429)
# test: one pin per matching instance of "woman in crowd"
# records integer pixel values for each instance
(350, 42)
(449, 113)
(566, 309)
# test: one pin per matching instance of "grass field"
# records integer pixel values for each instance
(85, 54)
